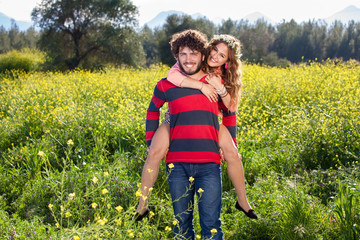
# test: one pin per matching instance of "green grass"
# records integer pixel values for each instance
(72, 148)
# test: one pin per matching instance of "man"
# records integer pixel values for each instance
(193, 159)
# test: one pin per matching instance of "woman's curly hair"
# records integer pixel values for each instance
(193, 39)
(233, 73)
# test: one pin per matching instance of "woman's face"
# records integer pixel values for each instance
(218, 55)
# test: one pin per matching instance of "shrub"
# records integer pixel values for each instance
(25, 60)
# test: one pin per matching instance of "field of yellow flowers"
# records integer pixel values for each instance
(72, 148)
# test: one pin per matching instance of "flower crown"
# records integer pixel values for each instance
(230, 42)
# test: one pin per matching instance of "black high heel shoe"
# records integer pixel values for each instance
(251, 213)
(139, 217)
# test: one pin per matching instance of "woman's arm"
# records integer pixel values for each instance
(216, 81)
(178, 78)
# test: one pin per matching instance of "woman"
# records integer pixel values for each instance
(224, 68)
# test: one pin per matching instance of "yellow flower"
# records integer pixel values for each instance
(175, 222)
(119, 208)
(95, 180)
(213, 231)
(108, 205)
(104, 191)
(41, 153)
(150, 189)
(57, 225)
(171, 165)
(72, 195)
(138, 193)
(118, 221)
(76, 237)
(191, 179)
(200, 190)
(50, 206)
(68, 214)
(106, 174)
(198, 236)
(138, 184)
(102, 221)
(151, 214)
(131, 233)
(150, 170)
(94, 205)
(62, 208)
(70, 142)
(167, 228)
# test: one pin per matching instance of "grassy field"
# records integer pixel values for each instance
(72, 148)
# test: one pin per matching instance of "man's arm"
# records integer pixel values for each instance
(153, 112)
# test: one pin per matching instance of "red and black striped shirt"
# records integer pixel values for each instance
(194, 124)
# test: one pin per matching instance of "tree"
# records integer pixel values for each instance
(176, 23)
(4, 40)
(16, 37)
(88, 31)
(333, 39)
(150, 45)
(350, 44)
(287, 39)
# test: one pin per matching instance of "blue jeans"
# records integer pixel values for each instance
(207, 176)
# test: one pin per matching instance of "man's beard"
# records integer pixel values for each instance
(198, 67)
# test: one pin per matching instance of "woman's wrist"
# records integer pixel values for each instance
(224, 95)
(221, 91)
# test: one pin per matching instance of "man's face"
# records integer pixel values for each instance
(189, 60)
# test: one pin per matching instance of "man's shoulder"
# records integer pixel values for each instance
(164, 83)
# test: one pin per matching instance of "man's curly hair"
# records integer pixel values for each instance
(193, 39)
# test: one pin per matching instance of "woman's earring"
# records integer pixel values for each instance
(226, 66)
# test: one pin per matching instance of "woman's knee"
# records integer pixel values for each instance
(231, 154)
(157, 151)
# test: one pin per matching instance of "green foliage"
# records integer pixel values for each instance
(89, 34)
(72, 149)
(298, 219)
(14, 39)
(25, 60)
(13, 227)
(263, 43)
(175, 23)
(346, 211)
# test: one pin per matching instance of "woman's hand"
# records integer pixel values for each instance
(209, 92)
(214, 80)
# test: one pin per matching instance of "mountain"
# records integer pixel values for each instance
(160, 19)
(6, 22)
(253, 17)
(345, 15)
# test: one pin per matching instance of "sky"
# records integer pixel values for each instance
(276, 10)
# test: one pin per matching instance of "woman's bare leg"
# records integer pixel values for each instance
(157, 151)
(234, 166)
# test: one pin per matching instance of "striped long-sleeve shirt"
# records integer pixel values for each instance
(194, 122)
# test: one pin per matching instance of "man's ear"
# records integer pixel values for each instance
(203, 57)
